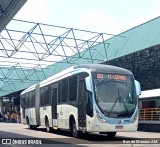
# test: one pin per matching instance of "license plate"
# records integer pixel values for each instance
(118, 127)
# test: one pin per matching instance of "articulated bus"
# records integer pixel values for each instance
(84, 98)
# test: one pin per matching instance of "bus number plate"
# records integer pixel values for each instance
(118, 127)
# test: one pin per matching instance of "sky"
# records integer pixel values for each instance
(104, 16)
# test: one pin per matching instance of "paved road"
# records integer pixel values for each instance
(61, 138)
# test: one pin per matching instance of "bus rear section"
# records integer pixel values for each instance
(30, 103)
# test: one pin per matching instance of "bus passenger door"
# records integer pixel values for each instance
(82, 105)
(54, 95)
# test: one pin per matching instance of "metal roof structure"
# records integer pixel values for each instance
(30, 52)
(8, 8)
(48, 49)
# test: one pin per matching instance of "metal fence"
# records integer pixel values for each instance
(149, 114)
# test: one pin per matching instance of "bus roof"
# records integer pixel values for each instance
(104, 68)
(29, 89)
(93, 67)
(150, 93)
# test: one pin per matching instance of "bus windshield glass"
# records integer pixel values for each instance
(115, 94)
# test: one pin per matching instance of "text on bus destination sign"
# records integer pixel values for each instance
(112, 77)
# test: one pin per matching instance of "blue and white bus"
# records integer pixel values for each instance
(84, 98)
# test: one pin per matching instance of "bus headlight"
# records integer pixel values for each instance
(100, 118)
(135, 118)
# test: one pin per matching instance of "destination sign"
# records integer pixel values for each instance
(117, 77)
(111, 77)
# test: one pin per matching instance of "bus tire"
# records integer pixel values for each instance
(111, 134)
(48, 128)
(74, 131)
(27, 120)
(32, 127)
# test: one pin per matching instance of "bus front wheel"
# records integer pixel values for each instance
(74, 131)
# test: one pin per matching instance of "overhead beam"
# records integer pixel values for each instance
(8, 9)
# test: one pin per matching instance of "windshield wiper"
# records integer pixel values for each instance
(115, 102)
(101, 105)
(124, 104)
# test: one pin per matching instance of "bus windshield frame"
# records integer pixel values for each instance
(115, 94)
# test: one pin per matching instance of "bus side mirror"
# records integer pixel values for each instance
(138, 87)
(88, 83)
(89, 105)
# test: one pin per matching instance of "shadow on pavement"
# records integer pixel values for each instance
(86, 138)
(8, 138)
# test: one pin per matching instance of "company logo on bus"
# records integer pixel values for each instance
(119, 121)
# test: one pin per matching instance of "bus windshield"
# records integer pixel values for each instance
(115, 94)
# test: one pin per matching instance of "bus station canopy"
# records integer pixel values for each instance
(8, 9)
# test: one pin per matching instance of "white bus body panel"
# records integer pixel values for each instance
(64, 111)
(45, 111)
(31, 114)
(94, 125)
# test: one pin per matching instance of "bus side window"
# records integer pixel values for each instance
(30, 99)
(27, 101)
(46, 95)
(33, 98)
(73, 88)
(82, 98)
(59, 91)
(89, 103)
(65, 90)
(41, 96)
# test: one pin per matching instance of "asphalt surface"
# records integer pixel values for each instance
(19, 135)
